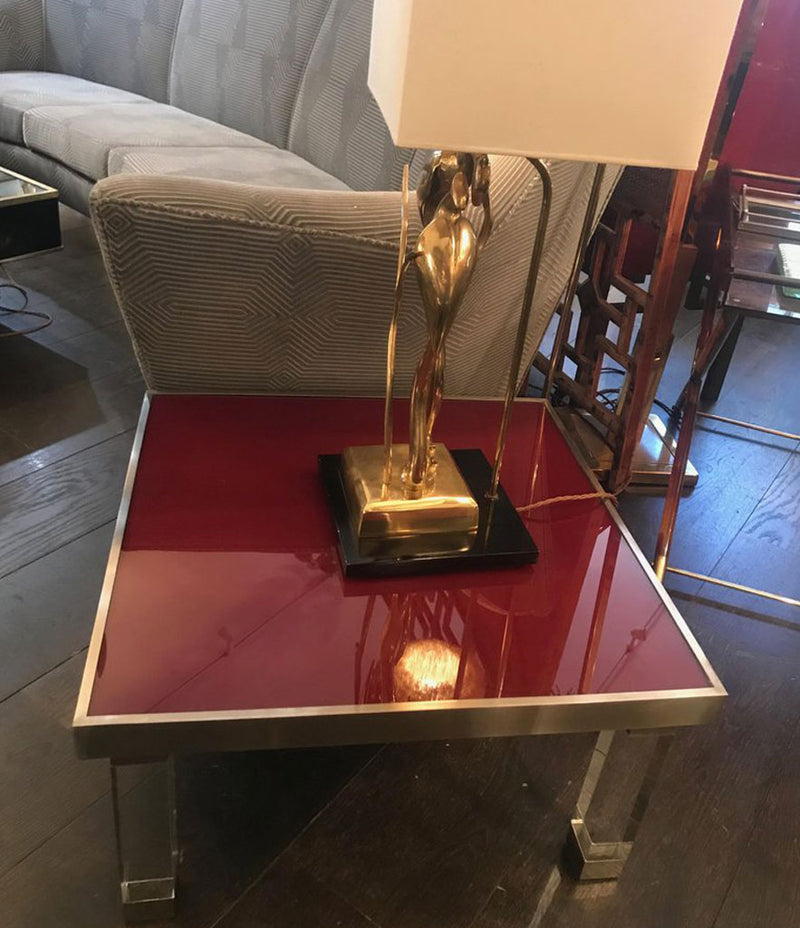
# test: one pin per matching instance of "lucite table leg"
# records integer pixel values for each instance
(147, 840)
(604, 860)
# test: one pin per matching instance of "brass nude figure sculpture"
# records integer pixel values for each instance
(444, 257)
(427, 501)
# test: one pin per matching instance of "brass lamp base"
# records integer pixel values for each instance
(501, 539)
(445, 515)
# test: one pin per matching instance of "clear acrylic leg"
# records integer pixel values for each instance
(627, 788)
(147, 842)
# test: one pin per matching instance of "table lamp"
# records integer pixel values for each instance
(605, 81)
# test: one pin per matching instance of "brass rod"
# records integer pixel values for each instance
(522, 331)
(388, 420)
(565, 321)
(787, 600)
(750, 425)
(761, 175)
(762, 277)
(677, 477)
(690, 401)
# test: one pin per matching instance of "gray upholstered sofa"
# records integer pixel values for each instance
(247, 200)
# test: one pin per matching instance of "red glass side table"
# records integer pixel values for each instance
(225, 622)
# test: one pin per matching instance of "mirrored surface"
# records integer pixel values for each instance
(13, 187)
(759, 253)
(229, 594)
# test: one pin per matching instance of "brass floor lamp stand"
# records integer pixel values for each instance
(719, 320)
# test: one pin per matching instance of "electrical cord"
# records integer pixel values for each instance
(605, 395)
(23, 311)
(574, 498)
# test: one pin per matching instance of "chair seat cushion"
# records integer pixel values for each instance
(82, 137)
(21, 91)
(262, 167)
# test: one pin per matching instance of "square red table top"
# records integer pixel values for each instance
(225, 621)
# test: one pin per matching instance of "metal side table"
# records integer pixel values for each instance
(225, 623)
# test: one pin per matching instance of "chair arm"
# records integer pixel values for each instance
(21, 35)
(232, 288)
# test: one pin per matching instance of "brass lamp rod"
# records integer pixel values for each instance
(388, 419)
(565, 321)
(522, 331)
(787, 600)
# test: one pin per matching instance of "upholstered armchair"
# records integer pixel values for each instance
(229, 287)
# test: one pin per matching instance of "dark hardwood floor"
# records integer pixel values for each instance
(458, 835)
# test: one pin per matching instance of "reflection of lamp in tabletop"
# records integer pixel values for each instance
(428, 669)
(420, 656)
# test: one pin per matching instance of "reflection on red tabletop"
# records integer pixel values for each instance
(228, 593)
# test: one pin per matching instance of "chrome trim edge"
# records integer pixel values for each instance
(98, 630)
(196, 732)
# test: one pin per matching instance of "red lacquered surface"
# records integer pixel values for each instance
(764, 134)
(228, 593)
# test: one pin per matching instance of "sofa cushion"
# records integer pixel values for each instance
(82, 137)
(23, 90)
(240, 62)
(123, 43)
(262, 167)
(337, 124)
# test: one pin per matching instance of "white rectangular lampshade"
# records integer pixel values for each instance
(616, 81)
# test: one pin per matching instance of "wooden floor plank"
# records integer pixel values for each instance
(735, 476)
(69, 882)
(764, 554)
(49, 427)
(290, 895)
(11, 449)
(73, 312)
(43, 784)
(237, 812)
(765, 890)
(423, 835)
(48, 608)
(53, 507)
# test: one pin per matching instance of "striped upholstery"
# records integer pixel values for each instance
(337, 124)
(264, 166)
(21, 35)
(21, 91)
(244, 289)
(82, 137)
(123, 43)
(240, 62)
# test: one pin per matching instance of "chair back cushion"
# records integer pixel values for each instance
(337, 124)
(122, 43)
(240, 62)
(21, 31)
